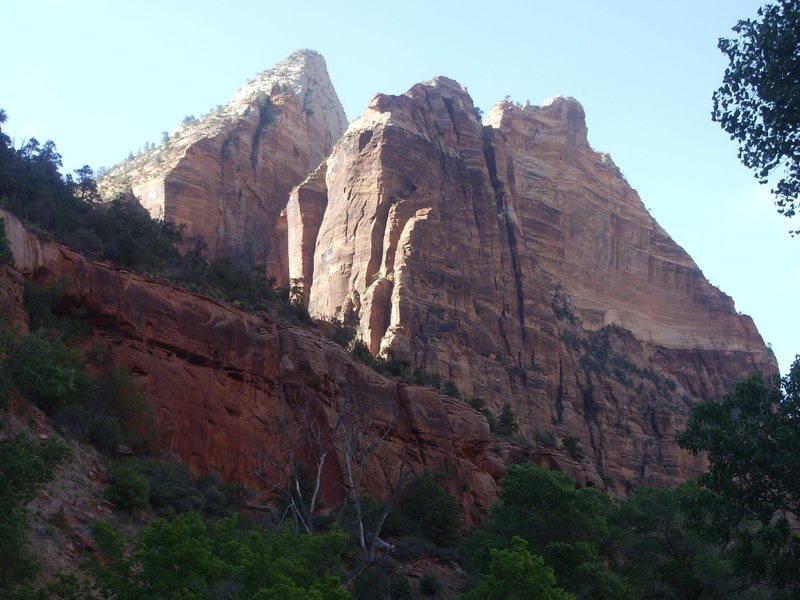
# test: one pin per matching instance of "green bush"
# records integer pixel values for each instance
(506, 425)
(360, 351)
(185, 558)
(46, 372)
(374, 583)
(545, 439)
(127, 488)
(572, 446)
(400, 588)
(516, 574)
(6, 256)
(426, 510)
(449, 389)
(173, 490)
(25, 466)
(429, 585)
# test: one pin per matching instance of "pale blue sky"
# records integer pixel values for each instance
(102, 78)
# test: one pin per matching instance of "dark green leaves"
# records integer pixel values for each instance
(758, 103)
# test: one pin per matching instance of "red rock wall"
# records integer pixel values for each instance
(229, 389)
(517, 262)
(228, 177)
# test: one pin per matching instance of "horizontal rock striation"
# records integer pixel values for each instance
(514, 260)
(506, 256)
(236, 394)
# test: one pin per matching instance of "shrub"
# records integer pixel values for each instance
(506, 425)
(400, 589)
(172, 489)
(25, 466)
(429, 585)
(572, 445)
(128, 489)
(427, 510)
(361, 353)
(546, 439)
(449, 389)
(6, 256)
(479, 404)
(374, 583)
(46, 372)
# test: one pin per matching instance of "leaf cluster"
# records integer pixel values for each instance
(185, 558)
(758, 103)
(25, 466)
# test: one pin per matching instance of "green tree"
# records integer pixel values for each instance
(186, 559)
(25, 466)
(426, 509)
(564, 525)
(752, 438)
(758, 103)
(506, 424)
(668, 543)
(6, 256)
(516, 574)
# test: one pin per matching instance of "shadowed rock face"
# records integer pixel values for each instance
(233, 393)
(516, 261)
(228, 176)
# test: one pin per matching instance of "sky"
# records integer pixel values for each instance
(101, 78)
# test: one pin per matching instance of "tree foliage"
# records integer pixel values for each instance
(758, 103)
(516, 574)
(564, 525)
(25, 466)
(184, 558)
(6, 256)
(427, 510)
(669, 544)
(752, 438)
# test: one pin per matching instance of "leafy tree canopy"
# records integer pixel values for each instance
(758, 103)
(25, 466)
(752, 438)
(564, 525)
(516, 574)
(753, 442)
(184, 558)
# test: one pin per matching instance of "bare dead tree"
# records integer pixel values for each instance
(358, 433)
(298, 482)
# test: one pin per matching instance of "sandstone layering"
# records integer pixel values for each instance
(506, 256)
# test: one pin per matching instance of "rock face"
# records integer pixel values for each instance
(235, 393)
(228, 176)
(514, 260)
(508, 257)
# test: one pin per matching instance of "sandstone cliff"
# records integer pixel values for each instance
(506, 256)
(516, 261)
(234, 393)
(227, 177)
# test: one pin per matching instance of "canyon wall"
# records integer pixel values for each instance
(517, 262)
(506, 256)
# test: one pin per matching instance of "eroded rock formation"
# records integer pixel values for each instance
(235, 393)
(227, 176)
(506, 256)
(514, 260)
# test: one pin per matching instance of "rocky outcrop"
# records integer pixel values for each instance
(236, 394)
(506, 256)
(228, 176)
(514, 260)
